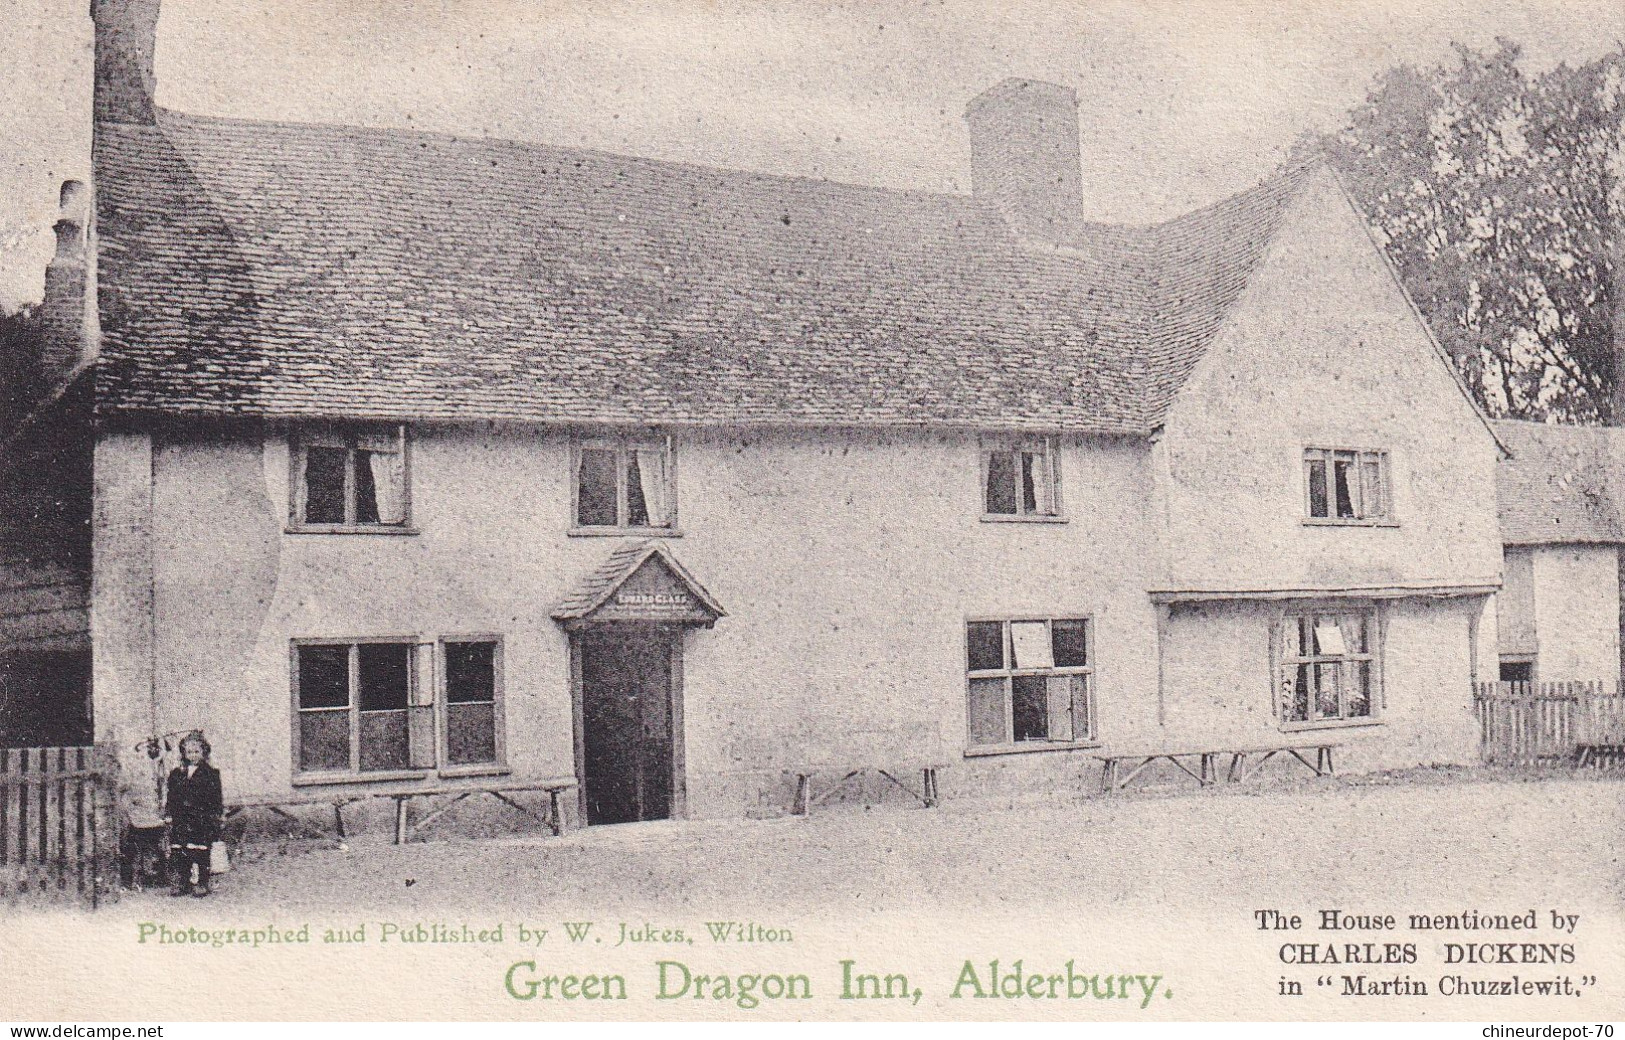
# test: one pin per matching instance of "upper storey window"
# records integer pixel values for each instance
(625, 484)
(1347, 486)
(351, 480)
(1022, 482)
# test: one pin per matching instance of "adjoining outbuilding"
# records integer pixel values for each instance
(1561, 493)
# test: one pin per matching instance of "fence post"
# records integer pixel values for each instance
(1531, 724)
(105, 818)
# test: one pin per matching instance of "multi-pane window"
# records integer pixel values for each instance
(471, 702)
(1021, 481)
(625, 484)
(370, 706)
(1347, 485)
(1329, 666)
(1029, 680)
(350, 479)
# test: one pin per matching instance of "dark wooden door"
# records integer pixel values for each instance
(626, 692)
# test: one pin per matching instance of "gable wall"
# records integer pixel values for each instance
(1323, 351)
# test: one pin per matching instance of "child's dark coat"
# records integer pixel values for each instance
(194, 806)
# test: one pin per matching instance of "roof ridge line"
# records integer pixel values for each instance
(441, 135)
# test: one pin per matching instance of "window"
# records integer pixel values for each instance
(625, 485)
(1029, 681)
(1023, 481)
(1517, 669)
(1347, 486)
(370, 706)
(471, 703)
(1330, 667)
(350, 481)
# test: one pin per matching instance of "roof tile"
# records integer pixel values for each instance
(293, 270)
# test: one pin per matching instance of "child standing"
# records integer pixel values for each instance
(193, 809)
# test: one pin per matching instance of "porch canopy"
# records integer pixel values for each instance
(640, 581)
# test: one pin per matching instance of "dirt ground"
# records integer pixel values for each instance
(1425, 838)
(1158, 885)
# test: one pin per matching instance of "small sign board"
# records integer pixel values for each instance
(654, 593)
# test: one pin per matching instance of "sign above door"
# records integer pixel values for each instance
(641, 581)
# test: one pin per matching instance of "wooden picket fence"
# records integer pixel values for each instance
(58, 824)
(1551, 723)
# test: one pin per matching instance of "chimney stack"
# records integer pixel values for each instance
(1024, 155)
(126, 39)
(1613, 217)
(65, 311)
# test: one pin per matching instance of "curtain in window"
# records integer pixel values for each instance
(389, 485)
(1329, 637)
(1371, 503)
(1037, 489)
(652, 480)
(1342, 487)
(1031, 643)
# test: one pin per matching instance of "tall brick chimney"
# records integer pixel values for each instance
(126, 39)
(66, 325)
(1614, 215)
(1024, 155)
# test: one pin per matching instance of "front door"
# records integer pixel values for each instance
(626, 721)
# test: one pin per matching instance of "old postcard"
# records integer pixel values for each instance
(728, 510)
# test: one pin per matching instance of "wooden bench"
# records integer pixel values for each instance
(1602, 756)
(554, 820)
(404, 829)
(805, 799)
(1244, 762)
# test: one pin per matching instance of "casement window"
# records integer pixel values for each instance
(472, 702)
(382, 706)
(1347, 486)
(1030, 681)
(1022, 481)
(1330, 667)
(625, 485)
(350, 480)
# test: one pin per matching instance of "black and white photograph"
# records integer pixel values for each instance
(1082, 511)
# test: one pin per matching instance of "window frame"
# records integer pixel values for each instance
(1050, 449)
(623, 445)
(499, 742)
(422, 651)
(1009, 673)
(1531, 660)
(1284, 667)
(1360, 456)
(349, 438)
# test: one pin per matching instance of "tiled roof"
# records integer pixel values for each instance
(1561, 483)
(295, 270)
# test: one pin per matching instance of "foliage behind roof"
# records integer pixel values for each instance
(273, 269)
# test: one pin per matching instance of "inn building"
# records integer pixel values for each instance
(396, 460)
